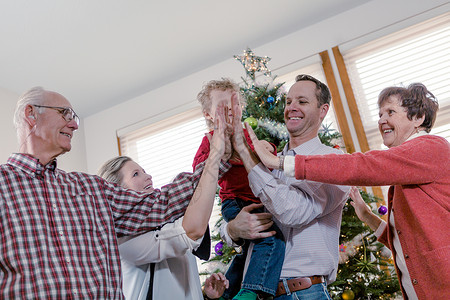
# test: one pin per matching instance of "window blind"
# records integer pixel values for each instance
(168, 147)
(420, 53)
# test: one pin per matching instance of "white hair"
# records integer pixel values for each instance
(35, 95)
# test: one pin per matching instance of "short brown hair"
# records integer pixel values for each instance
(323, 94)
(417, 100)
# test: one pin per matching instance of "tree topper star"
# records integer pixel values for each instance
(253, 63)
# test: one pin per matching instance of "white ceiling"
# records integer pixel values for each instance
(99, 53)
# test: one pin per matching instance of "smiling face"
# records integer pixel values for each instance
(394, 125)
(302, 113)
(51, 132)
(135, 178)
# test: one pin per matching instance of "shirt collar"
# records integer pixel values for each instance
(30, 164)
(420, 133)
(306, 148)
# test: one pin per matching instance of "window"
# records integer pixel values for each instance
(168, 147)
(420, 53)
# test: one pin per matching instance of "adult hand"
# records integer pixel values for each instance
(363, 211)
(250, 226)
(238, 140)
(220, 143)
(264, 152)
(215, 285)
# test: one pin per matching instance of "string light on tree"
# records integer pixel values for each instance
(253, 63)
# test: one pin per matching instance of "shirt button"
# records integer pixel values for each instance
(75, 292)
(61, 232)
(398, 232)
(54, 206)
(415, 281)
(68, 259)
(406, 256)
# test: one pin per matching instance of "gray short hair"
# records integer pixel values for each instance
(110, 170)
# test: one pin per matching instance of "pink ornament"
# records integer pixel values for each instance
(382, 210)
(342, 248)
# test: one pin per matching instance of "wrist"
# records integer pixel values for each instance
(281, 162)
(232, 234)
(205, 296)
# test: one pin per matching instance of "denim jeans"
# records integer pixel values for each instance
(265, 264)
(315, 292)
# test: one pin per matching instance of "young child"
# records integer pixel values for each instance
(264, 269)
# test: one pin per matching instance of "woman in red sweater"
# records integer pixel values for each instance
(416, 165)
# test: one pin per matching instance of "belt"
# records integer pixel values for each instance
(298, 284)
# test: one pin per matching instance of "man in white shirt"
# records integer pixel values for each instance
(308, 213)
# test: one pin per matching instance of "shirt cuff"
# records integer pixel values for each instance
(289, 166)
(223, 230)
(380, 228)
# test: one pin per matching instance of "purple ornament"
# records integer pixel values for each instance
(382, 210)
(218, 248)
(270, 99)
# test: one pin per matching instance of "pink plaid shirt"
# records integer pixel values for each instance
(58, 230)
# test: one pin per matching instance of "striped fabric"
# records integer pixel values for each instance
(308, 213)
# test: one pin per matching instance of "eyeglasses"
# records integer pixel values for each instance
(67, 113)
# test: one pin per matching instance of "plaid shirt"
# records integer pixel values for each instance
(58, 230)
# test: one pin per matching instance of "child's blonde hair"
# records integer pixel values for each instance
(204, 96)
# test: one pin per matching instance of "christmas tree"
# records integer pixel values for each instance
(365, 268)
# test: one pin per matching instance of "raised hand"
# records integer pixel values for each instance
(220, 143)
(363, 211)
(238, 140)
(263, 150)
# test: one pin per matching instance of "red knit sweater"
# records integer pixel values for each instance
(419, 172)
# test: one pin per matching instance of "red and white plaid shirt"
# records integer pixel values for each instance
(58, 230)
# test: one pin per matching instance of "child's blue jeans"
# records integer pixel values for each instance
(264, 268)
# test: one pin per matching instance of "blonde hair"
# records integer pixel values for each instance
(110, 171)
(204, 96)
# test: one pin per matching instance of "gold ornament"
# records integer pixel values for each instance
(348, 295)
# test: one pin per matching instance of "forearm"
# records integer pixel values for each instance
(295, 203)
(400, 165)
(199, 209)
(155, 246)
(248, 158)
(371, 220)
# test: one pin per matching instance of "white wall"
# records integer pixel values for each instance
(9, 144)
(75, 160)
(365, 22)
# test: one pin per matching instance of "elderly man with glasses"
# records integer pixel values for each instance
(58, 230)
